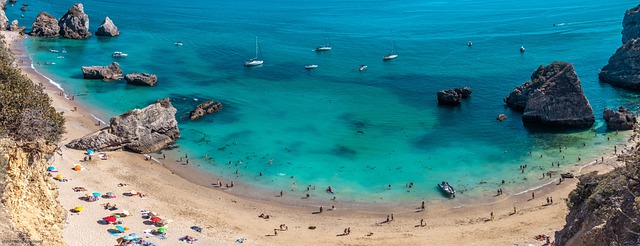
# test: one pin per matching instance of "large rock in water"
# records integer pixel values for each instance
(631, 24)
(464, 92)
(112, 71)
(140, 130)
(619, 120)
(553, 97)
(107, 28)
(75, 23)
(623, 69)
(45, 26)
(141, 79)
(448, 97)
(208, 107)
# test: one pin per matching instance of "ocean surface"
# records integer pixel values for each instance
(356, 131)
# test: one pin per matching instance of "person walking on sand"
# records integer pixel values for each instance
(391, 217)
(533, 195)
(422, 224)
(492, 216)
(321, 209)
(275, 232)
(422, 207)
(515, 210)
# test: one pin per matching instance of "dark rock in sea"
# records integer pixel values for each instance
(75, 23)
(107, 28)
(144, 130)
(501, 117)
(15, 28)
(448, 97)
(4, 21)
(13, 1)
(631, 24)
(112, 71)
(45, 26)
(464, 92)
(619, 120)
(553, 97)
(23, 8)
(623, 69)
(143, 79)
(208, 107)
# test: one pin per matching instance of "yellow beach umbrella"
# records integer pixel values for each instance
(59, 176)
(79, 208)
(88, 194)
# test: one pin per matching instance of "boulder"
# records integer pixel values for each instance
(501, 117)
(144, 130)
(45, 26)
(75, 23)
(553, 97)
(464, 92)
(448, 97)
(631, 24)
(144, 79)
(107, 28)
(619, 120)
(112, 71)
(14, 26)
(3, 4)
(208, 107)
(4, 21)
(623, 69)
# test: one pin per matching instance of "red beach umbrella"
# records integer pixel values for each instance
(155, 219)
(110, 219)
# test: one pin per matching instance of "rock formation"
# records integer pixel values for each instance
(112, 71)
(4, 21)
(208, 107)
(553, 97)
(140, 130)
(45, 26)
(501, 117)
(107, 28)
(619, 120)
(144, 79)
(3, 4)
(623, 69)
(464, 92)
(448, 97)
(14, 26)
(75, 23)
(631, 24)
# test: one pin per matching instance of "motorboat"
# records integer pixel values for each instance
(393, 53)
(469, 43)
(53, 51)
(118, 54)
(326, 46)
(362, 67)
(60, 57)
(64, 51)
(521, 49)
(311, 66)
(179, 43)
(447, 189)
(257, 60)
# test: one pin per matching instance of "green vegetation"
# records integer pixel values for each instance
(26, 113)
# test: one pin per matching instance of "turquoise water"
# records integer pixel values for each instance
(356, 131)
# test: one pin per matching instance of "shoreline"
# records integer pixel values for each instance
(236, 216)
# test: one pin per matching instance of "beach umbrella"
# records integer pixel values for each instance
(155, 219)
(77, 168)
(126, 212)
(120, 228)
(110, 219)
(96, 194)
(109, 194)
(134, 235)
(133, 192)
(127, 238)
(90, 152)
(79, 208)
(162, 229)
(51, 168)
(59, 176)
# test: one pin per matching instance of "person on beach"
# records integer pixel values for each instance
(547, 200)
(164, 156)
(308, 195)
(321, 209)
(515, 210)
(492, 216)
(422, 224)
(551, 200)
(422, 206)
(333, 207)
(281, 193)
(391, 217)
(275, 232)
(388, 220)
(533, 195)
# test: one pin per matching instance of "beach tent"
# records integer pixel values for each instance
(162, 230)
(126, 212)
(110, 219)
(120, 228)
(155, 219)
(133, 192)
(78, 208)
(110, 195)
(51, 168)
(96, 194)
(59, 176)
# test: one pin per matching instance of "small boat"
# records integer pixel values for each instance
(469, 43)
(522, 49)
(49, 63)
(521, 44)
(179, 43)
(119, 54)
(53, 51)
(257, 60)
(22, 16)
(362, 67)
(447, 189)
(326, 46)
(60, 57)
(64, 51)
(311, 66)
(25, 4)
(393, 54)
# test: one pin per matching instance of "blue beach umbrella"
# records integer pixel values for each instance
(133, 235)
(120, 228)
(127, 238)
(51, 168)
(96, 194)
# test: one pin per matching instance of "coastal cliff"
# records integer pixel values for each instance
(605, 209)
(623, 68)
(553, 97)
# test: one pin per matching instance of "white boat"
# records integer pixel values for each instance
(119, 54)
(311, 66)
(53, 51)
(49, 63)
(447, 189)
(257, 60)
(64, 51)
(60, 57)
(179, 43)
(326, 46)
(469, 43)
(522, 49)
(362, 67)
(393, 54)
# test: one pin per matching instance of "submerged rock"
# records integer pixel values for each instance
(553, 97)
(107, 28)
(75, 23)
(144, 79)
(448, 97)
(112, 71)
(619, 120)
(45, 26)
(208, 107)
(140, 130)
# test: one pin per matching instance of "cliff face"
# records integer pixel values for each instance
(28, 195)
(605, 209)
(623, 69)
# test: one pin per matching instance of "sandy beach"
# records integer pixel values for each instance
(225, 217)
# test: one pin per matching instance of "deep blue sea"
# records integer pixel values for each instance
(356, 131)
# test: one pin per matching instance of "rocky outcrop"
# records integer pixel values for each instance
(75, 23)
(45, 26)
(623, 69)
(107, 28)
(501, 117)
(631, 24)
(112, 71)
(448, 97)
(553, 97)
(140, 130)
(208, 107)
(144, 79)
(4, 21)
(464, 92)
(619, 120)
(3, 4)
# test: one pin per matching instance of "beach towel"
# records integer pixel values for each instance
(240, 240)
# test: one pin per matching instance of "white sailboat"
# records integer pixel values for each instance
(257, 60)
(326, 46)
(393, 54)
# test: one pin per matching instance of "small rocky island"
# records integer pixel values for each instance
(623, 69)
(619, 120)
(140, 130)
(46, 25)
(208, 107)
(552, 98)
(107, 28)
(112, 71)
(143, 79)
(453, 97)
(75, 23)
